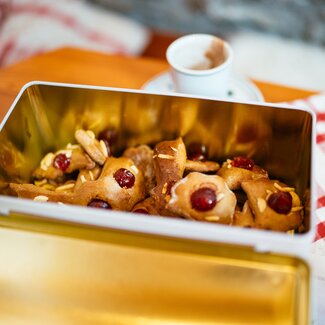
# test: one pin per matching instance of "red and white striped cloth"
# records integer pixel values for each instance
(30, 27)
(317, 104)
(317, 249)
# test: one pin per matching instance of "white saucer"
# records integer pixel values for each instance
(240, 88)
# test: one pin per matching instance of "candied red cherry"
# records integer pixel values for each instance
(196, 151)
(61, 161)
(204, 199)
(124, 178)
(97, 203)
(243, 162)
(108, 135)
(143, 211)
(280, 202)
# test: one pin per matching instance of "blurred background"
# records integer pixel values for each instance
(280, 41)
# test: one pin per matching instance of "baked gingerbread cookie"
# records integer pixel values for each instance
(147, 206)
(169, 164)
(245, 217)
(120, 186)
(63, 194)
(170, 180)
(240, 169)
(203, 198)
(54, 166)
(142, 156)
(85, 175)
(275, 206)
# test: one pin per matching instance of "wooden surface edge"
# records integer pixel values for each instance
(70, 65)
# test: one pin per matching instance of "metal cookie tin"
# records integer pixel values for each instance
(219, 274)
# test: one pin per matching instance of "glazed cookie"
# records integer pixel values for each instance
(204, 198)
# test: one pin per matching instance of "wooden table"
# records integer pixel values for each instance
(85, 67)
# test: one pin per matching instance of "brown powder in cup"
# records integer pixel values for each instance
(215, 56)
(216, 53)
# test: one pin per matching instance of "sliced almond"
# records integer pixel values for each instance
(212, 218)
(295, 209)
(283, 189)
(295, 199)
(73, 146)
(268, 194)
(220, 196)
(91, 175)
(134, 169)
(41, 198)
(163, 156)
(47, 161)
(49, 187)
(41, 183)
(91, 134)
(66, 152)
(261, 203)
(103, 148)
(65, 187)
(164, 189)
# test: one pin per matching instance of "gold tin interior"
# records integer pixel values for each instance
(46, 116)
(124, 278)
(96, 276)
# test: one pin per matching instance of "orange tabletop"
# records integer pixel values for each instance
(92, 68)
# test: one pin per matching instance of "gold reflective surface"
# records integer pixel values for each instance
(68, 274)
(132, 279)
(46, 117)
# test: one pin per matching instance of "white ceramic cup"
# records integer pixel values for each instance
(200, 64)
